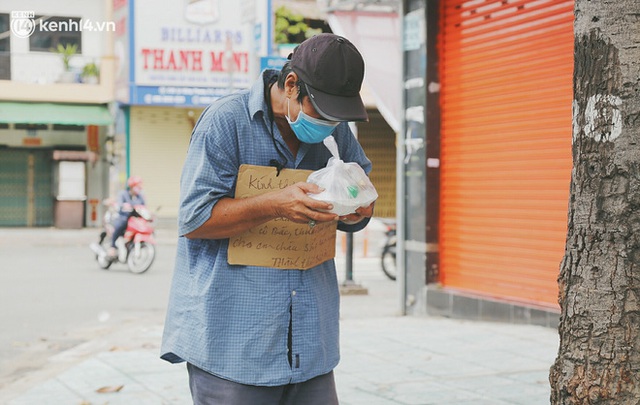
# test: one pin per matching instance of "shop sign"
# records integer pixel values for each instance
(201, 49)
(31, 141)
(279, 243)
(177, 96)
(93, 138)
(272, 62)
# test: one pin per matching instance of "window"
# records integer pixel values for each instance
(31, 127)
(65, 127)
(5, 50)
(47, 41)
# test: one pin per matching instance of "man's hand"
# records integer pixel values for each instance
(126, 207)
(294, 204)
(231, 217)
(360, 214)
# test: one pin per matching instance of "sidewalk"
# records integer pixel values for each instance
(386, 359)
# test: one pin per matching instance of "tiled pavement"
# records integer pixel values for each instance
(386, 359)
(393, 360)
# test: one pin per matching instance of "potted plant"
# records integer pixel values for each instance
(90, 73)
(66, 52)
(291, 27)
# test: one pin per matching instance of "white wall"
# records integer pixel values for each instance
(45, 67)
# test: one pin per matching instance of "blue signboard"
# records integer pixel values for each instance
(272, 62)
(176, 95)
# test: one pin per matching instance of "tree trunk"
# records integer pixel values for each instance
(599, 357)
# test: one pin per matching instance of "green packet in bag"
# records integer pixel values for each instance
(345, 185)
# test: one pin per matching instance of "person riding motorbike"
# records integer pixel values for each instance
(127, 199)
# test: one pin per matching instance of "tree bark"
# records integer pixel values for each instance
(598, 360)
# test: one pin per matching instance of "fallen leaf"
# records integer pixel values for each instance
(107, 390)
(19, 344)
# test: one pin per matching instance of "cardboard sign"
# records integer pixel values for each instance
(279, 243)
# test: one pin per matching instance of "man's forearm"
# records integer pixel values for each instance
(231, 217)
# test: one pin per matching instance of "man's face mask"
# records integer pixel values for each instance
(309, 129)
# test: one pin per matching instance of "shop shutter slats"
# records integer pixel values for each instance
(160, 136)
(378, 139)
(475, 21)
(25, 189)
(506, 71)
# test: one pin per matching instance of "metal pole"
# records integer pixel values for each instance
(349, 258)
(270, 24)
(349, 286)
(401, 280)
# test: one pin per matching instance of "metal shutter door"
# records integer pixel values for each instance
(379, 143)
(159, 142)
(25, 188)
(506, 71)
(42, 188)
(13, 187)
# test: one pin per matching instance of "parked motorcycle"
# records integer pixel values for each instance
(136, 248)
(388, 257)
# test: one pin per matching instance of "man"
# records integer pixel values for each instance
(127, 200)
(259, 335)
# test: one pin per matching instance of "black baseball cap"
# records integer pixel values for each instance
(332, 70)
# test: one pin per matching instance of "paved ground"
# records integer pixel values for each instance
(386, 359)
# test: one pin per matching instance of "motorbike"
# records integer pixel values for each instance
(388, 256)
(136, 248)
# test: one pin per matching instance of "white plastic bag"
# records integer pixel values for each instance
(345, 185)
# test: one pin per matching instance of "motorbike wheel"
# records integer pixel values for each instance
(388, 261)
(140, 262)
(103, 262)
(102, 259)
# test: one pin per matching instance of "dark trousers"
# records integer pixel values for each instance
(207, 389)
(119, 227)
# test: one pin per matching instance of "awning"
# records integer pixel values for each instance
(377, 37)
(53, 113)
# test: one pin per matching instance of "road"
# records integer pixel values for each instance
(54, 296)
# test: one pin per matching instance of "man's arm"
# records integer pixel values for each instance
(231, 217)
(360, 214)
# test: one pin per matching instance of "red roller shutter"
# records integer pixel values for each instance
(507, 72)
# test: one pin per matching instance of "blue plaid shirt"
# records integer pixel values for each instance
(233, 321)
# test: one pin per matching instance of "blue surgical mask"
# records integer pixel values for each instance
(309, 129)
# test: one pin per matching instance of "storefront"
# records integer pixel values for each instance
(173, 66)
(506, 74)
(56, 115)
(158, 142)
(487, 101)
(51, 163)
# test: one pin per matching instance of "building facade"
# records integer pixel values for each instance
(56, 86)
(174, 61)
(507, 73)
(494, 80)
